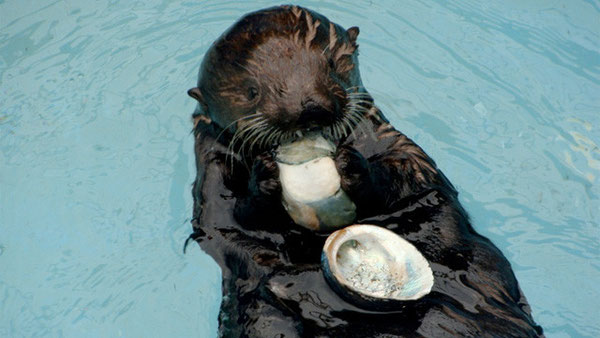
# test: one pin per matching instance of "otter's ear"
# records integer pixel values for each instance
(196, 94)
(353, 33)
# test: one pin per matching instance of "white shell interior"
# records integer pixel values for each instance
(376, 262)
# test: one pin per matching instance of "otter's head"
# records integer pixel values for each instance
(279, 72)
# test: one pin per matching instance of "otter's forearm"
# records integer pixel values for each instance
(260, 202)
(397, 167)
(258, 210)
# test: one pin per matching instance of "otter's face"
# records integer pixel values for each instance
(280, 72)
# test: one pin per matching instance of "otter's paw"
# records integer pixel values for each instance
(353, 169)
(265, 176)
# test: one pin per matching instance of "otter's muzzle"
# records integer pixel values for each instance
(314, 115)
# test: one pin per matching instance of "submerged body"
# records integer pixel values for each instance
(286, 70)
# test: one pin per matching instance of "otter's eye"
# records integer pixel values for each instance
(252, 93)
(331, 64)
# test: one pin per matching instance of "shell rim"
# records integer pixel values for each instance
(339, 237)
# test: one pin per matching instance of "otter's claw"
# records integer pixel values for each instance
(265, 176)
(354, 172)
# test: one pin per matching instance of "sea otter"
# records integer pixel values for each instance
(279, 73)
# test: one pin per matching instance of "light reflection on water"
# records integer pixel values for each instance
(96, 157)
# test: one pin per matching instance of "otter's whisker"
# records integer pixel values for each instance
(342, 125)
(362, 117)
(367, 131)
(361, 94)
(359, 107)
(264, 143)
(358, 120)
(264, 136)
(239, 133)
(231, 152)
(333, 130)
(272, 137)
(355, 116)
(276, 138)
(346, 122)
(354, 87)
(258, 137)
(359, 97)
(279, 137)
(285, 136)
(359, 103)
(236, 121)
(337, 133)
(254, 130)
(357, 93)
(357, 123)
(282, 136)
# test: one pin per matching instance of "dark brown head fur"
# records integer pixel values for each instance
(278, 71)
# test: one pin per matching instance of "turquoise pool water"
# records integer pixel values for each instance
(96, 156)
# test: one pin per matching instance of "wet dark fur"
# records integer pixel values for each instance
(272, 280)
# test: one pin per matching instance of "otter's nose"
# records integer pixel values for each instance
(314, 115)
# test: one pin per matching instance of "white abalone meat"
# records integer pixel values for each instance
(310, 183)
